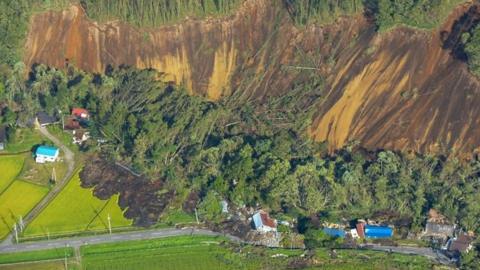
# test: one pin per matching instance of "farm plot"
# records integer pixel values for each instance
(186, 252)
(10, 167)
(17, 200)
(76, 210)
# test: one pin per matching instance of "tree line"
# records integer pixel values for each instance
(155, 12)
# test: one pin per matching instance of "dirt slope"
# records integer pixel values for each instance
(406, 89)
(411, 92)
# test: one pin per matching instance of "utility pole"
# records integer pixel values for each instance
(21, 224)
(65, 258)
(109, 224)
(196, 215)
(54, 176)
(16, 232)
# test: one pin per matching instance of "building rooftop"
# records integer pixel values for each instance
(80, 112)
(373, 231)
(47, 151)
(261, 218)
(44, 118)
(461, 243)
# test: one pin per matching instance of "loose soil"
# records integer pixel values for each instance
(138, 196)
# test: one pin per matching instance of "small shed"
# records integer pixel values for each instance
(373, 231)
(360, 227)
(263, 222)
(3, 138)
(72, 124)
(334, 232)
(46, 154)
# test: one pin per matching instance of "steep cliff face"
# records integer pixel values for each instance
(410, 92)
(202, 55)
(404, 89)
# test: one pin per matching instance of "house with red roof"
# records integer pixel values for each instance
(80, 113)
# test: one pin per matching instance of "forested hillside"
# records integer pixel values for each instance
(228, 151)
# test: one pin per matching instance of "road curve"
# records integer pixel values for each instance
(108, 238)
(70, 159)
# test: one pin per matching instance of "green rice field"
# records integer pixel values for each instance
(76, 210)
(17, 200)
(10, 167)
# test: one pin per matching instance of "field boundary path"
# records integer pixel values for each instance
(109, 238)
(70, 159)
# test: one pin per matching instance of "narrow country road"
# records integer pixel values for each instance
(69, 157)
(421, 251)
(108, 238)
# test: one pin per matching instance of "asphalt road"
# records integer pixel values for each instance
(426, 252)
(107, 238)
(69, 157)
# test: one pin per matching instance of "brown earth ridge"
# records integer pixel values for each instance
(404, 89)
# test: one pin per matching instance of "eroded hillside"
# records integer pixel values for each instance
(404, 89)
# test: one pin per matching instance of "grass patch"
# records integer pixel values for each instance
(210, 253)
(77, 210)
(24, 140)
(16, 201)
(41, 173)
(168, 253)
(10, 167)
(65, 137)
(368, 259)
(32, 256)
(176, 216)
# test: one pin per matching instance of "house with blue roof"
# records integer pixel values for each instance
(376, 232)
(263, 222)
(46, 154)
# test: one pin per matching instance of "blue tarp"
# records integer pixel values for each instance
(49, 151)
(334, 232)
(378, 231)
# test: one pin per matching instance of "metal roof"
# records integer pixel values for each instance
(49, 151)
(372, 231)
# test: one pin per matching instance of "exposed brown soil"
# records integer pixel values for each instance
(138, 197)
(404, 90)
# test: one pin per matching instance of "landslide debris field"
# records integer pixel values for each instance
(400, 89)
(139, 196)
